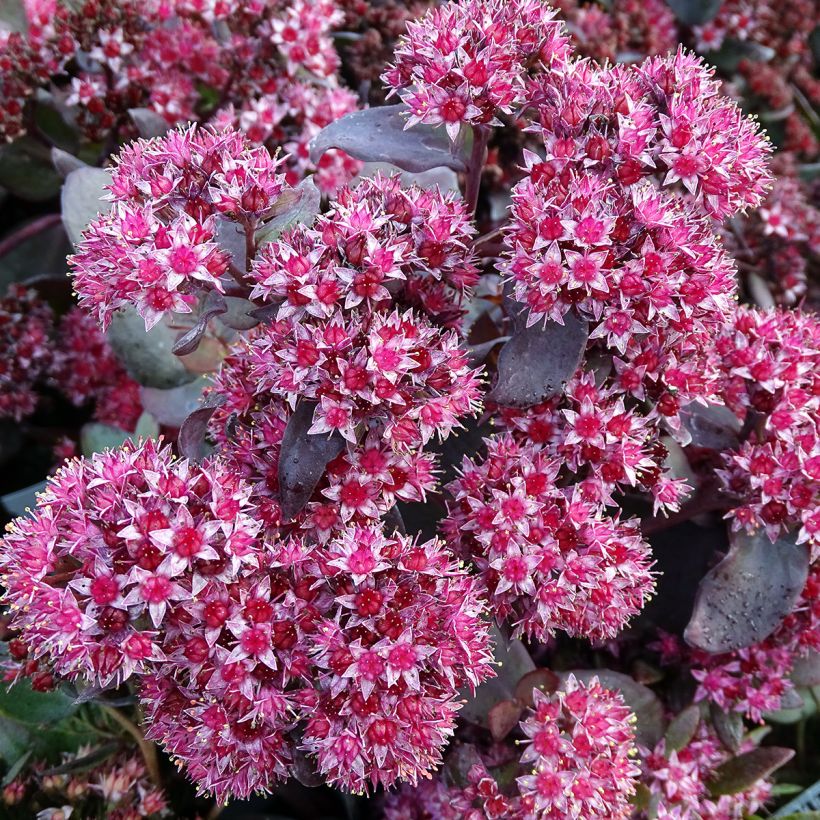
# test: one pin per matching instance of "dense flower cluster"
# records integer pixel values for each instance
(85, 369)
(268, 68)
(579, 750)
(362, 296)
(365, 642)
(623, 31)
(117, 789)
(25, 353)
(172, 198)
(769, 363)
(580, 744)
(467, 62)
(118, 540)
(137, 564)
(550, 559)
(780, 241)
(679, 781)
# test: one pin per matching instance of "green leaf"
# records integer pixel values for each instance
(26, 170)
(682, 729)
(147, 355)
(742, 772)
(23, 705)
(300, 205)
(13, 16)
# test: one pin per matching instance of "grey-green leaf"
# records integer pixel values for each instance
(745, 597)
(379, 135)
(82, 199)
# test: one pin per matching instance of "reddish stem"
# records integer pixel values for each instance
(27, 232)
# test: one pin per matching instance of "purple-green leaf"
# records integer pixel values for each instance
(503, 718)
(191, 439)
(742, 772)
(728, 726)
(213, 305)
(379, 135)
(538, 360)
(682, 729)
(745, 597)
(303, 459)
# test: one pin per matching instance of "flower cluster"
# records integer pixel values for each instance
(780, 241)
(85, 370)
(173, 198)
(364, 642)
(580, 742)
(268, 68)
(549, 558)
(358, 337)
(679, 780)
(25, 353)
(118, 540)
(769, 362)
(137, 564)
(623, 31)
(118, 789)
(467, 62)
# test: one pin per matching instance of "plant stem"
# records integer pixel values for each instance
(147, 749)
(481, 136)
(27, 232)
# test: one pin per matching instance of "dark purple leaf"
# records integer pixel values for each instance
(695, 12)
(714, 426)
(543, 679)
(537, 361)
(65, 163)
(238, 314)
(191, 439)
(746, 596)
(379, 135)
(513, 662)
(503, 718)
(214, 305)
(477, 353)
(742, 772)
(682, 729)
(303, 459)
(230, 236)
(266, 313)
(806, 671)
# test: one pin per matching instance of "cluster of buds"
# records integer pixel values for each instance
(118, 789)
(85, 370)
(623, 31)
(26, 323)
